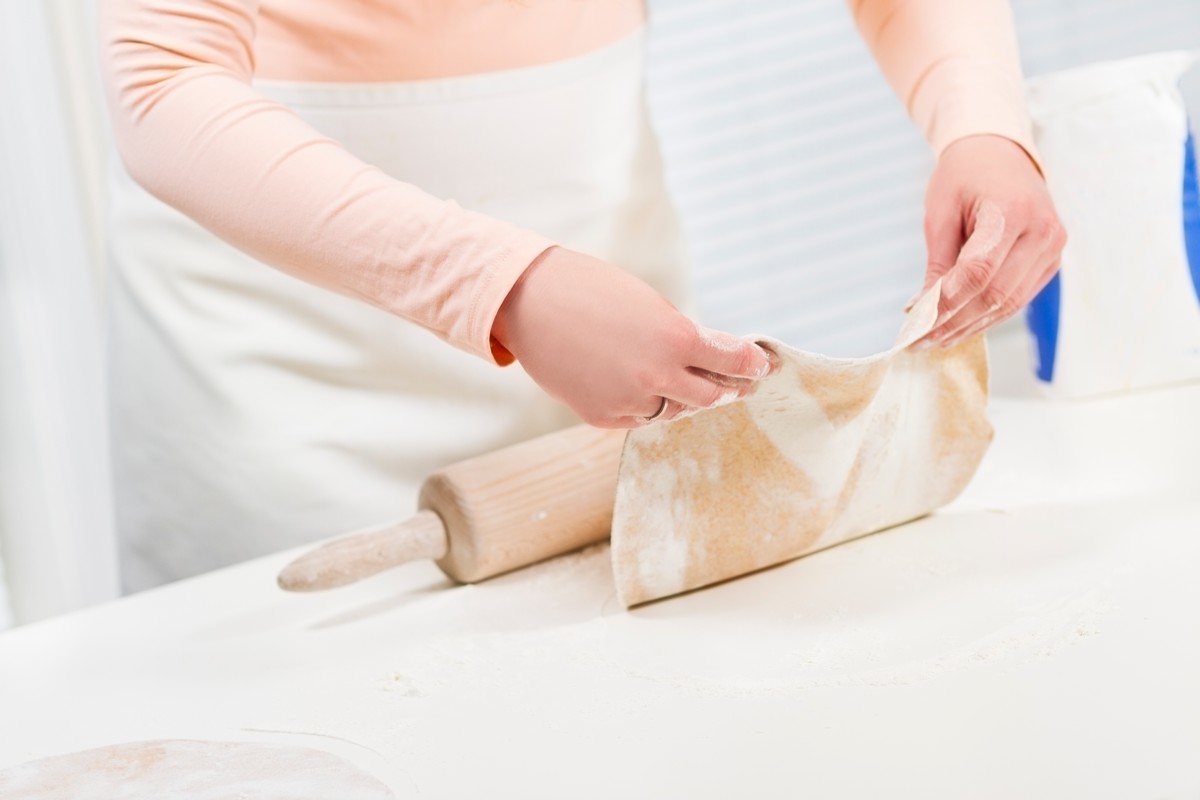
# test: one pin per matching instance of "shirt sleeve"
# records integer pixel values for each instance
(192, 130)
(954, 63)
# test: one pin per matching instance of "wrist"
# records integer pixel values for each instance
(992, 144)
(506, 327)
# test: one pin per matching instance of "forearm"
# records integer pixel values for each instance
(953, 63)
(193, 131)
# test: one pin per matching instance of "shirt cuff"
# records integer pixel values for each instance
(952, 106)
(491, 291)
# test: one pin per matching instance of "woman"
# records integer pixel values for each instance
(485, 169)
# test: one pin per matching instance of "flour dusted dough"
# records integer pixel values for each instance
(191, 770)
(826, 450)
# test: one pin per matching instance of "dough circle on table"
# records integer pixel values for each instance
(825, 450)
(184, 769)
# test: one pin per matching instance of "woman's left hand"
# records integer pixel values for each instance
(991, 233)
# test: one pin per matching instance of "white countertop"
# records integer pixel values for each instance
(1040, 638)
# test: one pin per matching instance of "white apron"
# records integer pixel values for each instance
(253, 412)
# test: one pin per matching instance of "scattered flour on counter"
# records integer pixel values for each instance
(723, 664)
(403, 685)
(883, 629)
(790, 670)
(587, 565)
(191, 770)
(862, 617)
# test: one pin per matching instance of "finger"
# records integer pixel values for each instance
(1044, 281)
(715, 390)
(725, 354)
(660, 408)
(1028, 292)
(1028, 263)
(982, 324)
(744, 386)
(694, 390)
(677, 410)
(987, 248)
(1053, 238)
(943, 241)
(1000, 298)
(672, 410)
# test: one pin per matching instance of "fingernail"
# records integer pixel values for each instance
(764, 368)
(774, 362)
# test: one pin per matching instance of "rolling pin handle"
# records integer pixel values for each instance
(353, 557)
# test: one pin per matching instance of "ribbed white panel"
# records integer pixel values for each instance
(56, 522)
(799, 178)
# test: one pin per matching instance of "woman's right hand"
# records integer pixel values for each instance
(613, 349)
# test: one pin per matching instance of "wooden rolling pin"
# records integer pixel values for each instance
(486, 515)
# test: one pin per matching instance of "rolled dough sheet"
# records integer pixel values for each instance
(826, 450)
(183, 769)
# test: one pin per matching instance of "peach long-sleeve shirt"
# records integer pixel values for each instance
(193, 131)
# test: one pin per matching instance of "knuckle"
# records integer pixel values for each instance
(742, 360)
(681, 336)
(1023, 207)
(995, 298)
(935, 271)
(976, 274)
(1046, 226)
(1008, 307)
